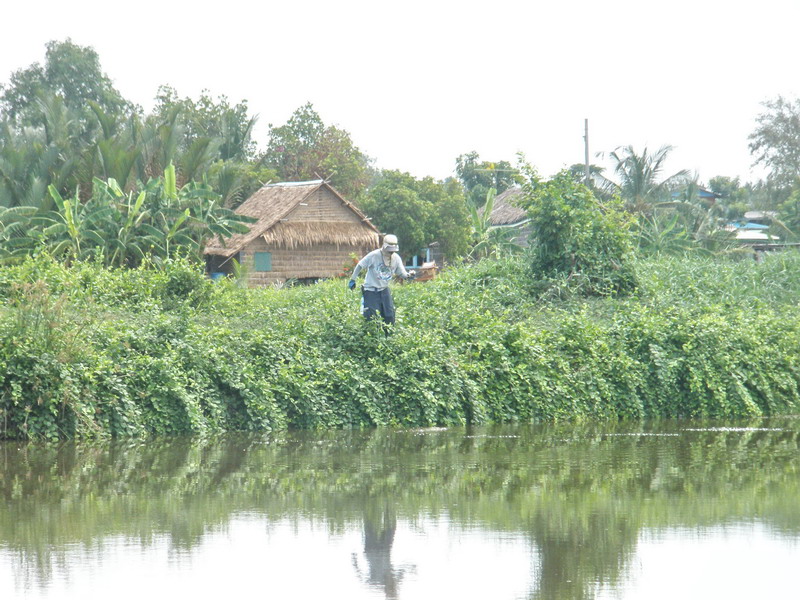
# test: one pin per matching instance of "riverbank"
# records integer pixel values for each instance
(91, 352)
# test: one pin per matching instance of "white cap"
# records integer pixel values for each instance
(390, 243)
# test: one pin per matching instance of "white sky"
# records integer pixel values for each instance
(416, 83)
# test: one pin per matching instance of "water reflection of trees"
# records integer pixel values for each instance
(581, 494)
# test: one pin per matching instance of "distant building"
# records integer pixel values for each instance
(759, 216)
(748, 232)
(702, 194)
(305, 231)
(505, 213)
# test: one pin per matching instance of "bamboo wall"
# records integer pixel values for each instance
(321, 261)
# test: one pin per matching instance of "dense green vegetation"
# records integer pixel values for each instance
(87, 351)
(64, 126)
(109, 327)
(153, 222)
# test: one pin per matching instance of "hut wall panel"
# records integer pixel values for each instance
(323, 261)
(322, 205)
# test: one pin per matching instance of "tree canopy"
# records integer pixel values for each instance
(775, 142)
(479, 176)
(205, 117)
(304, 149)
(64, 125)
(420, 211)
(71, 73)
(640, 177)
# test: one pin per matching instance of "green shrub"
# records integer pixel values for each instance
(577, 240)
(87, 351)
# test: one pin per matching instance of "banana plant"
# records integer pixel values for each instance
(130, 245)
(160, 220)
(170, 183)
(67, 221)
(488, 239)
(74, 227)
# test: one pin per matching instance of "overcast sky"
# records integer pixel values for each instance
(416, 83)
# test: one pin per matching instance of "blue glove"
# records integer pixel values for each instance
(351, 284)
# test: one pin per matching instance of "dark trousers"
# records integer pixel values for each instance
(379, 302)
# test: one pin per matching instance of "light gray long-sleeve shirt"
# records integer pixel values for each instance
(379, 274)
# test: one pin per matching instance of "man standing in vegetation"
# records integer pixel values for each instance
(381, 265)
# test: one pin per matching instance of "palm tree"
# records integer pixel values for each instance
(640, 184)
(28, 164)
(15, 239)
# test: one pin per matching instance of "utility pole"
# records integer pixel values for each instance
(586, 146)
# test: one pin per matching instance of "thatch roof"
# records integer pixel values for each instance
(273, 202)
(309, 233)
(505, 212)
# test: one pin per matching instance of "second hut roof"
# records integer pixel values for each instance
(505, 212)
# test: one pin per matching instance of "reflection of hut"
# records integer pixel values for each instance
(505, 213)
(305, 231)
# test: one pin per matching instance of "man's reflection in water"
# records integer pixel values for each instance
(379, 529)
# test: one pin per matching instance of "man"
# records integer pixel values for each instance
(381, 265)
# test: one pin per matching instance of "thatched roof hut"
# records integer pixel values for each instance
(506, 213)
(305, 230)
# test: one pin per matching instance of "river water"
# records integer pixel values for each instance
(646, 510)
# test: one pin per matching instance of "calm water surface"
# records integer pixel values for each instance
(655, 510)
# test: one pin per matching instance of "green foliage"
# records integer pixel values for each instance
(775, 142)
(488, 240)
(419, 212)
(478, 177)
(578, 241)
(789, 212)
(734, 196)
(63, 124)
(88, 351)
(236, 182)
(396, 207)
(640, 183)
(304, 149)
(158, 221)
(42, 366)
(206, 118)
(687, 222)
(30, 160)
(71, 73)
(662, 234)
(15, 239)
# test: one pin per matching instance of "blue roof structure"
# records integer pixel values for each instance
(747, 225)
(701, 193)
